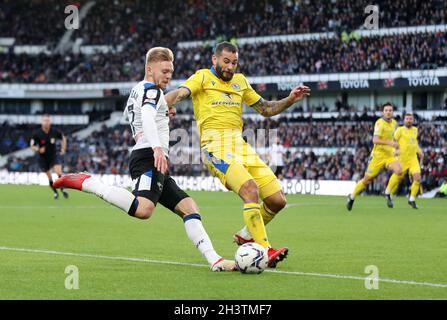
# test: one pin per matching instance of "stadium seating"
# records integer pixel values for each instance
(345, 141)
(398, 52)
(345, 151)
(17, 137)
(105, 24)
(120, 24)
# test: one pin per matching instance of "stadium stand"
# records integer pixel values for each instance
(113, 22)
(398, 52)
(331, 43)
(344, 151)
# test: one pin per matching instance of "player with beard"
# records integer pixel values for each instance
(409, 150)
(218, 95)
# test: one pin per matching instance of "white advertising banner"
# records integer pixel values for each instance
(290, 186)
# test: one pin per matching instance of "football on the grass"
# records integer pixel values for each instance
(251, 258)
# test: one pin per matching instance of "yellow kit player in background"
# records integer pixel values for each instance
(407, 137)
(382, 156)
(218, 95)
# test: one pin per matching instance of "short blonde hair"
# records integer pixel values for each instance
(158, 54)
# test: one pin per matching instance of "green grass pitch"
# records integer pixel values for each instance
(329, 249)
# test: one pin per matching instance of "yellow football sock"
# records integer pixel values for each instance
(267, 214)
(255, 224)
(415, 188)
(393, 184)
(358, 188)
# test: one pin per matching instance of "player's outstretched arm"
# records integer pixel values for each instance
(272, 108)
(177, 95)
(174, 97)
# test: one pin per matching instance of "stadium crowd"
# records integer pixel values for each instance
(294, 132)
(17, 137)
(35, 22)
(348, 148)
(242, 18)
(397, 52)
(118, 21)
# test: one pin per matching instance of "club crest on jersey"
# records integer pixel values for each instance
(236, 87)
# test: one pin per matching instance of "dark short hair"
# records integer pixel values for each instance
(386, 104)
(408, 114)
(228, 46)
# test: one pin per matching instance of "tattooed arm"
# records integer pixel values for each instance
(175, 96)
(272, 108)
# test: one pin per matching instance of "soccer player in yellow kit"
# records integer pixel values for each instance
(407, 137)
(382, 156)
(218, 95)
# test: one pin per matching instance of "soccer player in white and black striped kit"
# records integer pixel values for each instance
(148, 114)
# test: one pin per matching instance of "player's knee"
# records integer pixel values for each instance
(367, 180)
(144, 210)
(398, 170)
(186, 207)
(277, 203)
(281, 203)
(249, 191)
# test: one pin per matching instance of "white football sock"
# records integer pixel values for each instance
(412, 198)
(387, 192)
(244, 233)
(119, 197)
(197, 234)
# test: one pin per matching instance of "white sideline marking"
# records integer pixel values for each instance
(303, 204)
(87, 255)
(309, 274)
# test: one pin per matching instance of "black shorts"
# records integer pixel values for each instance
(46, 163)
(151, 184)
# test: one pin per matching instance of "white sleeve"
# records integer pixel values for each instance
(148, 113)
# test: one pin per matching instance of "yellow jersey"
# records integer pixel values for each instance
(408, 142)
(384, 130)
(218, 104)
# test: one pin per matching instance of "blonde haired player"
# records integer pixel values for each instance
(409, 150)
(218, 95)
(148, 117)
(382, 156)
